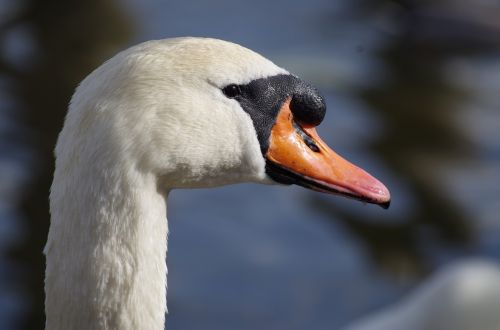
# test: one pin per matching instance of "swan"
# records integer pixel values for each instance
(462, 296)
(161, 115)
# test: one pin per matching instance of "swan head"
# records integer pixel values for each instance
(197, 112)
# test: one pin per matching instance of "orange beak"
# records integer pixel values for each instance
(297, 155)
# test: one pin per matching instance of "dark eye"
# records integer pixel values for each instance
(231, 91)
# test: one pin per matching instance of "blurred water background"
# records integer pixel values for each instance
(412, 90)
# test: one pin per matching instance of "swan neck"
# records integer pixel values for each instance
(106, 251)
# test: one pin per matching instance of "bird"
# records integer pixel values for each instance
(165, 114)
(464, 295)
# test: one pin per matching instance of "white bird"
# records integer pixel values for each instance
(175, 113)
(463, 296)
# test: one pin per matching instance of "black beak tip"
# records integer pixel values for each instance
(385, 205)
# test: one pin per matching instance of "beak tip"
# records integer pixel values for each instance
(384, 196)
(386, 199)
(385, 205)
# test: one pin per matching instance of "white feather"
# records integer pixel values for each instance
(150, 119)
(463, 296)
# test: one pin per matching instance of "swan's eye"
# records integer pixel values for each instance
(231, 91)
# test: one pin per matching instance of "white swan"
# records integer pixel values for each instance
(178, 113)
(463, 296)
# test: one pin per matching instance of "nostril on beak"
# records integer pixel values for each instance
(309, 141)
(308, 107)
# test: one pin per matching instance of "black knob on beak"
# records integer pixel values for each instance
(308, 107)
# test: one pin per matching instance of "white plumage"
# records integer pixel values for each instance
(178, 113)
(463, 296)
(150, 119)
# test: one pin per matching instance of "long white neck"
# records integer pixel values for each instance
(150, 119)
(106, 250)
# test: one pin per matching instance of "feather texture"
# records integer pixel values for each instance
(150, 119)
